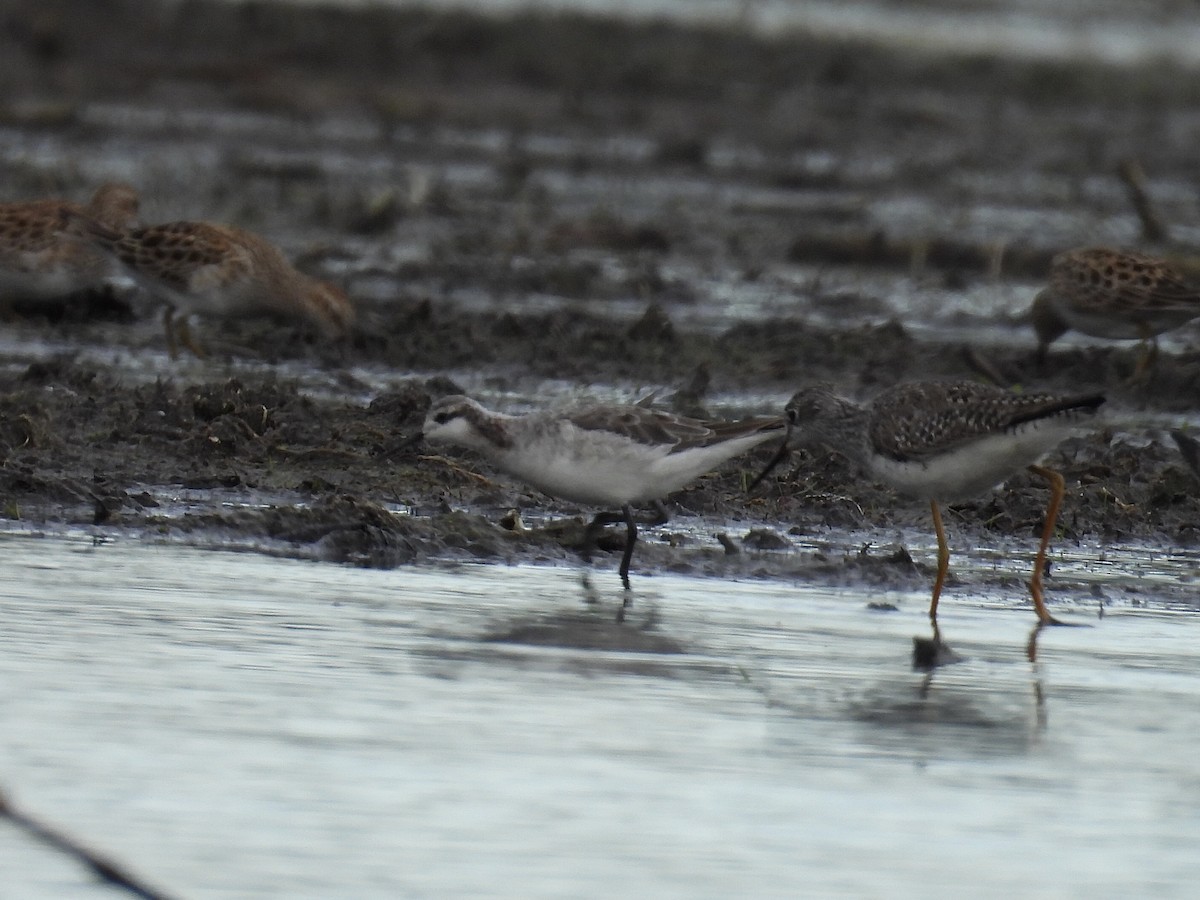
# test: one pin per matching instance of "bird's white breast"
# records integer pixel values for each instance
(974, 467)
(1117, 328)
(606, 469)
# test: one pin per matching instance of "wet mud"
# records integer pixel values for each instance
(447, 168)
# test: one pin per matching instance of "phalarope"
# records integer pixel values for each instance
(599, 455)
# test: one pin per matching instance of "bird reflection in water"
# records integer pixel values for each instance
(932, 653)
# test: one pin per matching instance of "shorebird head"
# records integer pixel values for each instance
(460, 420)
(810, 405)
(115, 205)
(328, 307)
(1047, 324)
(816, 403)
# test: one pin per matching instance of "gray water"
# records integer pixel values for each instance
(231, 725)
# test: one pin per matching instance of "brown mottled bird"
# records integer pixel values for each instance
(943, 441)
(1114, 294)
(42, 257)
(201, 268)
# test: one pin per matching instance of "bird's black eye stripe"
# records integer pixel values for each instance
(442, 418)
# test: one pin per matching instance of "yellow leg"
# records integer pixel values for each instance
(1058, 488)
(1148, 358)
(943, 562)
(1152, 355)
(1144, 363)
(169, 328)
(185, 335)
(1032, 644)
(1039, 692)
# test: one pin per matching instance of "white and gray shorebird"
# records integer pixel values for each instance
(943, 441)
(614, 457)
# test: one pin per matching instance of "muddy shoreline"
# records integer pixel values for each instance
(302, 106)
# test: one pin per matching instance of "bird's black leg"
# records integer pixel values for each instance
(630, 540)
(592, 535)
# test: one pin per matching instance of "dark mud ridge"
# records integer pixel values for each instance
(261, 465)
(387, 150)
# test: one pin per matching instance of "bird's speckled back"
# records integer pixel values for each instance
(921, 419)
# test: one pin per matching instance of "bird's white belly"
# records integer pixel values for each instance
(1119, 328)
(45, 285)
(595, 475)
(217, 302)
(608, 472)
(974, 468)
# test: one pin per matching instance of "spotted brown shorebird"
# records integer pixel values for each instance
(1114, 294)
(42, 257)
(943, 441)
(205, 269)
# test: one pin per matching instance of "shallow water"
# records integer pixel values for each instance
(234, 726)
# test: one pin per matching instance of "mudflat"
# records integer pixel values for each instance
(548, 200)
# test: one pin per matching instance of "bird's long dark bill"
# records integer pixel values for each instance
(780, 455)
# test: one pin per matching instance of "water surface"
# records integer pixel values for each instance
(236, 726)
